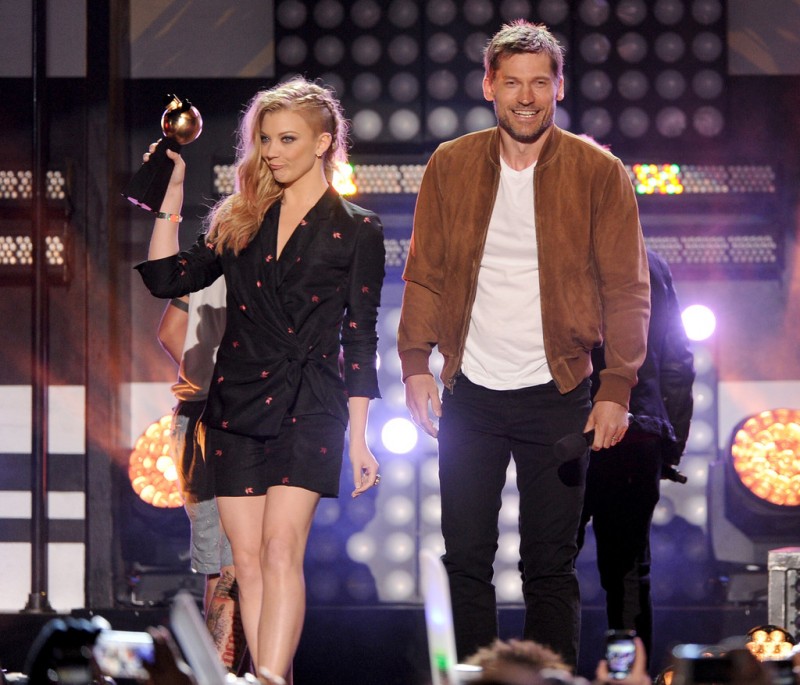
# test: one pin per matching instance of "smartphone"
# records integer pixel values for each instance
(123, 654)
(620, 653)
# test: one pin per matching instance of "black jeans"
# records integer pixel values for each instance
(480, 429)
(622, 490)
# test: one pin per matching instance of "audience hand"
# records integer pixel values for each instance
(638, 675)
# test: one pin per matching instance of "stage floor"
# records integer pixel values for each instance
(386, 645)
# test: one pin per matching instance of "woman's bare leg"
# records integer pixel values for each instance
(288, 515)
(242, 519)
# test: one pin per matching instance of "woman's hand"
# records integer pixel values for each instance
(179, 169)
(365, 467)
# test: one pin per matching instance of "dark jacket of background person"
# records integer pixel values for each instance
(661, 402)
(623, 482)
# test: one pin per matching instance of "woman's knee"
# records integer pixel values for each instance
(281, 555)
(247, 564)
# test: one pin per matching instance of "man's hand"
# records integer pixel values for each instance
(422, 392)
(609, 421)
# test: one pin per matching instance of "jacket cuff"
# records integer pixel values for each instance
(613, 389)
(414, 362)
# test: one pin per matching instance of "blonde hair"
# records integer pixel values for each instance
(234, 220)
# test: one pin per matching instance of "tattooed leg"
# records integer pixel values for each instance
(224, 622)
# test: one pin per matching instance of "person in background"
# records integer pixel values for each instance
(190, 331)
(526, 253)
(303, 270)
(623, 480)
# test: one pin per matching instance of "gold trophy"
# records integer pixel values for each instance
(181, 124)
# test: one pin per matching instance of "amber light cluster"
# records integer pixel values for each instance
(769, 642)
(766, 456)
(151, 470)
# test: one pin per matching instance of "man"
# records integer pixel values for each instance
(622, 483)
(526, 253)
(190, 331)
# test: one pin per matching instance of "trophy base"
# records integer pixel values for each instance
(149, 185)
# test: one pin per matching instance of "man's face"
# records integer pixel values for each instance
(524, 92)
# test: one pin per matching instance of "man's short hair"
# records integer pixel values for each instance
(519, 37)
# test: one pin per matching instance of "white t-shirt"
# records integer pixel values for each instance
(505, 345)
(204, 331)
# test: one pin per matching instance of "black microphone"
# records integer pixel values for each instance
(672, 473)
(572, 446)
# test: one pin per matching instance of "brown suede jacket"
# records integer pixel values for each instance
(593, 271)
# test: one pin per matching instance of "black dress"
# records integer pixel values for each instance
(288, 318)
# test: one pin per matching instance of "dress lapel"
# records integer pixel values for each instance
(317, 219)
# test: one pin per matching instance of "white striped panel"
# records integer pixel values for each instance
(16, 504)
(65, 576)
(66, 505)
(65, 421)
(142, 404)
(15, 418)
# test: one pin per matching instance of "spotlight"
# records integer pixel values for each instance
(399, 436)
(769, 642)
(151, 471)
(343, 179)
(754, 495)
(765, 456)
(699, 322)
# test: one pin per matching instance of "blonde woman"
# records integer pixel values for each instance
(303, 269)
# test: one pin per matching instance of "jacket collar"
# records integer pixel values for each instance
(547, 154)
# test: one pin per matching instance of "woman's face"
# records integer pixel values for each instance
(290, 145)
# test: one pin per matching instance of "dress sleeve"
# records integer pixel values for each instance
(359, 334)
(182, 273)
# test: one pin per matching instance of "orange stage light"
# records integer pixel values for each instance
(151, 470)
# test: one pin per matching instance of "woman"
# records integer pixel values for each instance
(304, 270)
